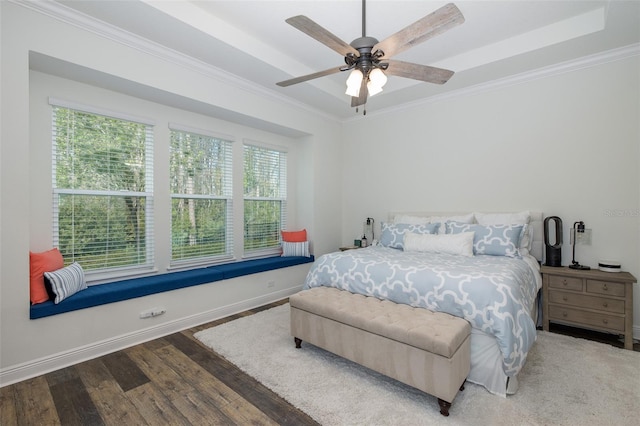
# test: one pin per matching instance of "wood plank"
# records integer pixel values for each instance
(124, 370)
(114, 406)
(179, 391)
(226, 400)
(8, 414)
(34, 403)
(154, 406)
(246, 386)
(73, 403)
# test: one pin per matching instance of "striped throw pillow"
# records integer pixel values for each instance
(295, 249)
(66, 281)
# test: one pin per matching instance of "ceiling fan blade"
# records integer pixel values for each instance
(362, 98)
(319, 33)
(430, 26)
(418, 72)
(309, 77)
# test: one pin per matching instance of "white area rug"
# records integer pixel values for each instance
(566, 381)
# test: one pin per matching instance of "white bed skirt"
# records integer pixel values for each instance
(486, 365)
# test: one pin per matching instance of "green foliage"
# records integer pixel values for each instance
(199, 165)
(100, 154)
(102, 165)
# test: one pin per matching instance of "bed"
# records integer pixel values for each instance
(483, 267)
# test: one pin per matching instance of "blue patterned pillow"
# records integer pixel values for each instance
(393, 233)
(494, 240)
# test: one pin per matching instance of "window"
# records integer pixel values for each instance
(201, 196)
(265, 198)
(102, 189)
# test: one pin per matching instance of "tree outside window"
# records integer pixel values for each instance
(102, 189)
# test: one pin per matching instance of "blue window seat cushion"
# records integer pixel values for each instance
(138, 287)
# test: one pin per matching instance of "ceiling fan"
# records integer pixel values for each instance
(369, 60)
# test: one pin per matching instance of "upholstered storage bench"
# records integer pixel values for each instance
(424, 349)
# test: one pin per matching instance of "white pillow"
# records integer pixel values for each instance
(460, 244)
(411, 220)
(520, 218)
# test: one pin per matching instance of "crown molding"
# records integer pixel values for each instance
(62, 13)
(589, 61)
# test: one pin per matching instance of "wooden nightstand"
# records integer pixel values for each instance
(591, 299)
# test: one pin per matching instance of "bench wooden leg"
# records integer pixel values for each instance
(444, 407)
(298, 342)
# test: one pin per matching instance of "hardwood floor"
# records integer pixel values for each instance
(174, 380)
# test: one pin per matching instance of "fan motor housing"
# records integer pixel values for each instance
(364, 42)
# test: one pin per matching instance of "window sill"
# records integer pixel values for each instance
(138, 287)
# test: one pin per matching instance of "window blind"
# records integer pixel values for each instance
(201, 196)
(265, 197)
(102, 189)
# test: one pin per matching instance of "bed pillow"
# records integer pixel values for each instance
(294, 236)
(300, 248)
(411, 220)
(422, 220)
(519, 218)
(66, 281)
(39, 263)
(493, 240)
(459, 244)
(393, 233)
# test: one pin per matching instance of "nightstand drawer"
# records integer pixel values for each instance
(566, 283)
(562, 313)
(585, 301)
(603, 287)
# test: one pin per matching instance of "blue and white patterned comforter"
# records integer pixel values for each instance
(493, 293)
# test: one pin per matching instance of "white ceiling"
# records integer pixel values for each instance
(251, 40)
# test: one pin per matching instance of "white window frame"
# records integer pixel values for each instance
(116, 271)
(227, 196)
(281, 198)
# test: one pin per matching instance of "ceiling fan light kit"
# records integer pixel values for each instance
(369, 60)
(353, 83)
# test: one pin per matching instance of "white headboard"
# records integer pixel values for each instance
(536, 223)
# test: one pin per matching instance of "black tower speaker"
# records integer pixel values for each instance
(553, 252)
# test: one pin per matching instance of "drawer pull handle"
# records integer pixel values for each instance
(606, 321)
(564, 314)
(565, 282)
(605, 304)
(565, 298)
(605, 288)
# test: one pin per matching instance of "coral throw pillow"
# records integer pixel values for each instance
(294, 236)
(39, 263)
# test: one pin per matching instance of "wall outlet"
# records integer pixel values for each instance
(271, 284)
(153, 312)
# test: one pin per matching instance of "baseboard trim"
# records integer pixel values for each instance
(60, 360)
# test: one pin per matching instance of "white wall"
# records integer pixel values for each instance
(566, 145)
(30, 347)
